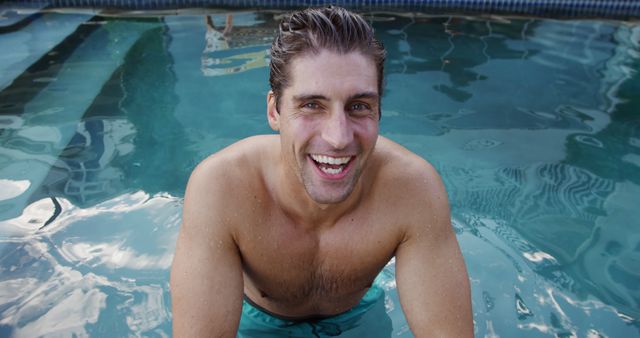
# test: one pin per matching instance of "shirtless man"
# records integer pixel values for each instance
(288, 231)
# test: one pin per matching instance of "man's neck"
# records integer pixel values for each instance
(292, 197)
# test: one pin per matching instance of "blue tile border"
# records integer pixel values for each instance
(619, 9)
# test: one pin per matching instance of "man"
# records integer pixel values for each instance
(300, 224)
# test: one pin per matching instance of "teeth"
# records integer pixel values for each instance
(331, 171)
(330, 160)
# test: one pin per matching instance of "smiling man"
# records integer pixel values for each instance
(284, 235)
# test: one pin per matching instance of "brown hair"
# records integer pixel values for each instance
(314, 29)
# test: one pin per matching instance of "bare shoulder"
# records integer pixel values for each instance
(220, 184)
(238, 160)
(234, 166)
(411, 185)
(406, 171)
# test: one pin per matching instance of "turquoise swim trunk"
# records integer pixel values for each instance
(367, 319)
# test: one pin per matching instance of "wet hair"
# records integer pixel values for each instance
(314, 29)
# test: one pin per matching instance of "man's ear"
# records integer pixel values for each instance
(272, 112)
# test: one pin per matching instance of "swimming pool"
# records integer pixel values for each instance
(533, 124)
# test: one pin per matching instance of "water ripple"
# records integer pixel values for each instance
(538, 304)
(107, 268)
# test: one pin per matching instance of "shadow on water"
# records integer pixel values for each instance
(451, 45)
(488, 74)
(149, 100)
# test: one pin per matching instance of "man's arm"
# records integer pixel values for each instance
(206, 276)
(432, 278)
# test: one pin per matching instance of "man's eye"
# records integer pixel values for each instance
(359, 107)
(311, 105)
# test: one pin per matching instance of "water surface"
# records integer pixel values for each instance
(534, 126)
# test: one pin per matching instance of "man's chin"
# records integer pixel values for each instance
(323, 191)
(329, 196)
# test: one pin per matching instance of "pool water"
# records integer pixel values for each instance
(534, 126)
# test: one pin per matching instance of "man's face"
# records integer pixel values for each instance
(328, 121)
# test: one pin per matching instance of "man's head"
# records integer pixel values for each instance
(326, 79)
(313, 30)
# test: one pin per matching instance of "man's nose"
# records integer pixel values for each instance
(337, 130)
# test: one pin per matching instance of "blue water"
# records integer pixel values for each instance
(533, 124)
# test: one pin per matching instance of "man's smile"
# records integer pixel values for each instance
(332, 167)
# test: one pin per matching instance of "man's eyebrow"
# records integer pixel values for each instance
(365, 95)
(309, 97)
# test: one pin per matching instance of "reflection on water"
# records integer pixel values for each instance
(521, 302)
(90, 263)
(219, 40)
(533, 124)
(572, 225)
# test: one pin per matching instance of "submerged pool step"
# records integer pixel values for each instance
(12, 20)
(39, 35)
(33, 137)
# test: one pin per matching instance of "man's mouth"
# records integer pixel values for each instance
(331, 165)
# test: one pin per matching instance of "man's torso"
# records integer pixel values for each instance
(300, 270)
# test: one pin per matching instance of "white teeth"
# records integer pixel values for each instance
(331, 171)
(330, 160)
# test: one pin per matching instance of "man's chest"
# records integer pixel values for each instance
(287, 262)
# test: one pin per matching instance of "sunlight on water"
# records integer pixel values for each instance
(112, 258)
